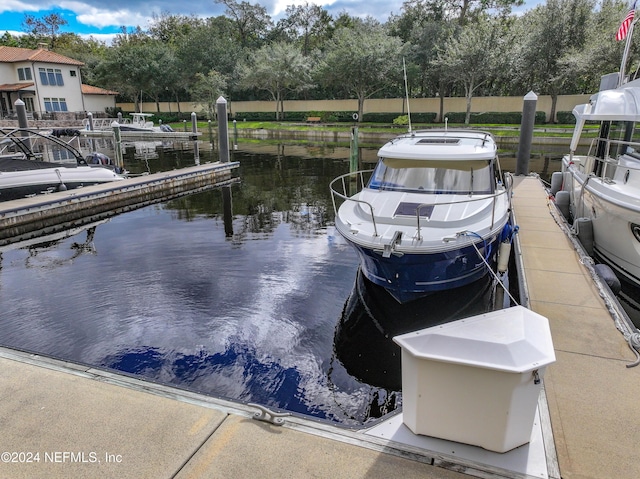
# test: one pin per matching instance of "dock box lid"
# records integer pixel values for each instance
(514, 340)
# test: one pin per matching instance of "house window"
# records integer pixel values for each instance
(24, 74)
(73, 73)
(51, 76)
(28, 103)
(55, 104)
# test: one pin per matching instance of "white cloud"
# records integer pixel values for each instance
(107, 18)
(18, 6)
(280, 6)
(101, 37)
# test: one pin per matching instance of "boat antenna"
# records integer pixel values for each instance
(627, 46)
(406, 92)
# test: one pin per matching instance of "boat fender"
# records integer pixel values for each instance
(562, 202)
(556, 182)
(584, 230)
(608, 276)
(504, 251)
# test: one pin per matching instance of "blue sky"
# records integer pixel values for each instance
(103, 19)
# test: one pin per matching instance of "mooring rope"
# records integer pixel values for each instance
(496, 277)
(633, 340)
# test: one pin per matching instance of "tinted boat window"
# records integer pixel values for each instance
(438, 177)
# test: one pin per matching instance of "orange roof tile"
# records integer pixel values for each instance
(14, 86)
(13, 54)
(94, 90)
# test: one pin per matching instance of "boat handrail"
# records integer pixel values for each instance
(334, 192)
(607, 159)
(104, 123)
(360, 175)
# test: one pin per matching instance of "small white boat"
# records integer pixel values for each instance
(140, 122)
(23, 173)
(431, 215)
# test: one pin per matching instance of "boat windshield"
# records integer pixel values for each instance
(433, 176)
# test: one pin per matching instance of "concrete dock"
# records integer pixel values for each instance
(65, 420)
(592, 395)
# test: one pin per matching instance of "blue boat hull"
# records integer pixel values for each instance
(411, 276)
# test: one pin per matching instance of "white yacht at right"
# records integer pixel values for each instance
(604, 184)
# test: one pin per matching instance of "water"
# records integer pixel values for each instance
(266, 306)
(172, 294)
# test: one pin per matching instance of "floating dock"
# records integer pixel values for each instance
(70, 420)
(45, 214)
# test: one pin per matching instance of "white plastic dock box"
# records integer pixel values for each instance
(476, 380)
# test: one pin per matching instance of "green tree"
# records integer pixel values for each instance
(309, 22)
(276, 68)
(554, 30)
(135, 67)
(470, 59)
(207, 89)
(209, 46)
(361, 61)
(252, 22)
(600, 54)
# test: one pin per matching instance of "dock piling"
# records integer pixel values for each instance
(23, 122)
(526, 133)
(223, 129)
(117, 143)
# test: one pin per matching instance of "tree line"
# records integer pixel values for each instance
(450, 48)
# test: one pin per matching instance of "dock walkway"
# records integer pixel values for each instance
(593, 397)
(65, 420)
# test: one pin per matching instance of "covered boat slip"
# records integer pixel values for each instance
(589, 429)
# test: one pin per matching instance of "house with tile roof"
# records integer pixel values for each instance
(48, 83)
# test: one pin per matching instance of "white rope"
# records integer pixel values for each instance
(633, 340)
(496, 277)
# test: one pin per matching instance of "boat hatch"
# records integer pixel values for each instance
(409, 209)
(438, 141)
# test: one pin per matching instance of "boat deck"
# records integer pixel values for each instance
(84, 422)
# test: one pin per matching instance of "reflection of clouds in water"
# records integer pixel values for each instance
(237, 373)
(254, 352)
(177, 303)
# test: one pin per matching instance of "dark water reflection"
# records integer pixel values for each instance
(170, 293)
(264, 306)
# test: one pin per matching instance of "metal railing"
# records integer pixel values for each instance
(103, 123)
(355, 179)
(606, 162)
